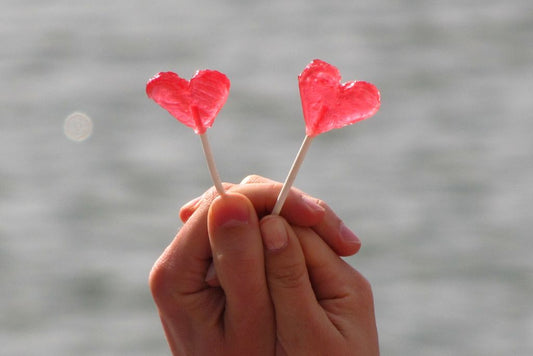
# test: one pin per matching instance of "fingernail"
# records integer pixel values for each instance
(347, 235)
(191, 204)
(313, 204)
(247, 179)
(232, 215)
(274, 233)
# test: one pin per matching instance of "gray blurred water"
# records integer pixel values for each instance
(437, 184)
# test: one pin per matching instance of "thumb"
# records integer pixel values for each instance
(299, 317)
(238, 260)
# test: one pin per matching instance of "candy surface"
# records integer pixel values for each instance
(195, 103)
(329, 104)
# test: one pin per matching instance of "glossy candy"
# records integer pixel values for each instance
(195, 103)
(329, 104)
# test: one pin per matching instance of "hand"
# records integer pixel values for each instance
(322, 305)
(238, 317)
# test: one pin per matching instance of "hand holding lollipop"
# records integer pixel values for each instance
(254, 308)
(328, 104)
(195, 103)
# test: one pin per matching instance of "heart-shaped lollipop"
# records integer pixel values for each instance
(328, 104)
(194, 102)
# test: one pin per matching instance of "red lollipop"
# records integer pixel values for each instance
(328, 104)
(194, 102)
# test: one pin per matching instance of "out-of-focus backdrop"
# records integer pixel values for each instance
(438, 184)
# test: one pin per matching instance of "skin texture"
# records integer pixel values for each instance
(237, 281)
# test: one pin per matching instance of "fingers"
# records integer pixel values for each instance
(190, 207)
(331, 228)
(330, 275)
(343, 293)
(337, 235)
(300, 320)
(236, 245)
(238, 314)
(299, 209)
(180, 271)
(322, 305)
(238, 259)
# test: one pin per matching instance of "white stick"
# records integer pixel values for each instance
(211, 164)
(292, 175)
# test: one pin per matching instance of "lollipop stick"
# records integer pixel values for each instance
(211, 164)
(292, 175)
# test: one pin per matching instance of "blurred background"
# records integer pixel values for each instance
(438, 184)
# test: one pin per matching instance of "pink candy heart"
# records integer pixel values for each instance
(195, 103)
(329, 104)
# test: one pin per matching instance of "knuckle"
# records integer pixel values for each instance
(288, 277)
(158, 279)
(210, 194)
(363, 288)
(162, 282)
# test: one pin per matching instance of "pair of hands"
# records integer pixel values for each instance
(237, 281)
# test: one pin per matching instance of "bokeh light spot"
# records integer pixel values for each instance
(78, 127)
